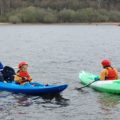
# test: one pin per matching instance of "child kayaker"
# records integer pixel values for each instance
(22, 76)
(108, 72)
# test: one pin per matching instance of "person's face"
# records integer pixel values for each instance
(24, 67)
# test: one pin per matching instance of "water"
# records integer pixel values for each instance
(56, 54)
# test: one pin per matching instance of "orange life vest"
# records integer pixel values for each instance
(111, 74)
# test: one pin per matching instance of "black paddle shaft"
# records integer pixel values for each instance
(86, 85)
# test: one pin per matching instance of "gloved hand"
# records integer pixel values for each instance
(97, 78)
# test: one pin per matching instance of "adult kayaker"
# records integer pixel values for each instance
(108, 72)
(1, 74)
(1, 66)
(22, 76)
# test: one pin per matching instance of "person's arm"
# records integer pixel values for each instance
(117, 74)
(18, 79)
(30, 78)
(103, 75)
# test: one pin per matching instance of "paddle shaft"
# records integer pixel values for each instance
(87, 85)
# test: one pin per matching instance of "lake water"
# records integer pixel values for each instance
(56, 54)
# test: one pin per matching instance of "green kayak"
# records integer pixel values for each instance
(110, 86)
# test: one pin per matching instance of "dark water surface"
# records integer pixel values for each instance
(56, 54)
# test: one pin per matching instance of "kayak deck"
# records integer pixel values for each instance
(103, 86)
(32, 88)
(86, 78)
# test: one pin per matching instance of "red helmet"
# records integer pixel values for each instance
(106, 63)
(22, 63)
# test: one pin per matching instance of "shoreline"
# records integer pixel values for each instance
(95, 23)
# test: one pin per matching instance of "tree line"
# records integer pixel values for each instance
(56, 11)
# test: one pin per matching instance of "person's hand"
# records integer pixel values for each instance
(97, 78)
(25, 79)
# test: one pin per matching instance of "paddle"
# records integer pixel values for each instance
(86, 85)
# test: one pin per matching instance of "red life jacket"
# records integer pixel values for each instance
(111, 74)
(24, 75)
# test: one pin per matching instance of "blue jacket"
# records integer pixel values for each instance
(1, 66)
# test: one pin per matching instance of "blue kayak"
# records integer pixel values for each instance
(32, 88)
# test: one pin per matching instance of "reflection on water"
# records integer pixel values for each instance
(54, 99)
(108, 104)
(22, 100)
(4, 94)
(109, 100)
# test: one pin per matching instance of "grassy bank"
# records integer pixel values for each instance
(40, 15)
